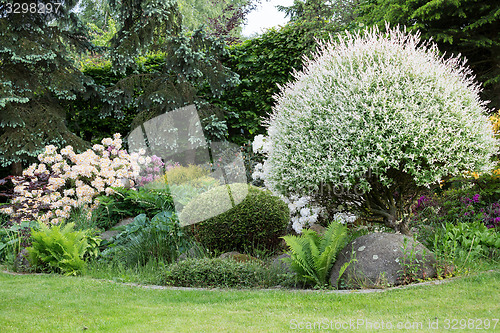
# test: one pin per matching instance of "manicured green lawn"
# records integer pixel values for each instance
(52, 303)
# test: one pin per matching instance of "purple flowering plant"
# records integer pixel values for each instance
(152, 169)
(451, 208)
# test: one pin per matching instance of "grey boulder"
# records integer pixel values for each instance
(380, 260)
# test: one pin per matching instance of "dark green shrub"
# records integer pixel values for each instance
(263, 63)
(13, 239)
(225, 273)
(259, 220)
(4, 220)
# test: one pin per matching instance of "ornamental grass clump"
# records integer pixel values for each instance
(372, 120)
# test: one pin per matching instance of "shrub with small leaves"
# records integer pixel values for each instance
(257, 219)
(377, 117)
(223, 273)
(191, 174)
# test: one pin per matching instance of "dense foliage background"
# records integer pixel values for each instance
(87, 74)
(122, 63)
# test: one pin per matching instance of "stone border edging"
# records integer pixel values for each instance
(340, 292)
(325, 291)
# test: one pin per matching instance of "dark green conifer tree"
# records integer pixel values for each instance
(189, 67)
(36, 76)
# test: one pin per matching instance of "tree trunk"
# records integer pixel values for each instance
(399, 226)
(16, 169)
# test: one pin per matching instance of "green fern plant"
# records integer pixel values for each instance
(312, 256)
(59, 249)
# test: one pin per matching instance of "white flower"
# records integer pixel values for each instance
(107, 142)
(297, 226)
(67, 151)
(30, 171)
(41, 169)
(117, 144)
(69, 193)
(98, 148)
(109, 191)
(304, 212)
(122, 154)
(55, 196)
(7, 210)
(50, 149)
(55, 183)
(258, 143)
(301, 202)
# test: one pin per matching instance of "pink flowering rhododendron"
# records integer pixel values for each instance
(64, 180)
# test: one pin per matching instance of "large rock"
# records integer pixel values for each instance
(379, 261)
(108, 234)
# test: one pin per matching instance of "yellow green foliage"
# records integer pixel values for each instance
(193, 175)
(495, 120)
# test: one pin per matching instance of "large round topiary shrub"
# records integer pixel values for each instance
(253, 219)
(372, 120)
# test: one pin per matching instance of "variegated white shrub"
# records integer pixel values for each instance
(379, 115)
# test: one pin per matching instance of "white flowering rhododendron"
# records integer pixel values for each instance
(304, 212)
(379, 116)
(73, 180)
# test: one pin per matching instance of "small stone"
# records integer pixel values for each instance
(279, 263)
(236, 256)
(375, 257)
(21, 263)
(320, 230)
(361, 248)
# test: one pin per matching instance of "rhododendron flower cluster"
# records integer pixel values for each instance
(303, 211)
(64, 180)
(152, 168)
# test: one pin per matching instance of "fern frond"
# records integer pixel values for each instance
(313, 256)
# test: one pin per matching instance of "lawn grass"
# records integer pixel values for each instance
(53, 303)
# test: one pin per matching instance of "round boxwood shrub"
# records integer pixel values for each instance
(257, 220)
